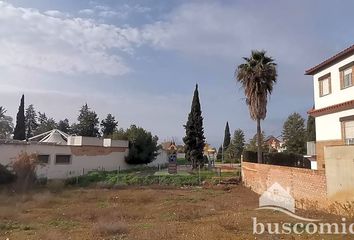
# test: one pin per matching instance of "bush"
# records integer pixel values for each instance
(279, 158)
(6, 176)
(25, 169)
(143, 147)
(250, 156)
(286, 159)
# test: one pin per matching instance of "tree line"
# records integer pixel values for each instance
(29, 123)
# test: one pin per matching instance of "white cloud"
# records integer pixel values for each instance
(86, 11)
(122, 11)
(56, 13)
(215, 29)
(31, 39)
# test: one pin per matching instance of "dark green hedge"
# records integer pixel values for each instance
(279, 158)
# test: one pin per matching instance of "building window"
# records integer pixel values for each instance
(347, 78)
(43, 158)
(346, 75)
(349, 132)
(62, 159)
(325, 85)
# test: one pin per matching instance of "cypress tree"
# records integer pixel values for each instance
(227, 137)
(20, 128)
(311, 129)
(194, 139)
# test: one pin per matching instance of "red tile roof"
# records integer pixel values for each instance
(332, 109)
(330, 61)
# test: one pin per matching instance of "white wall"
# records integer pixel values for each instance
(337, 95)
(107, 142)
(161, 159)
(84, 141)
(328, 127)
(79, 162)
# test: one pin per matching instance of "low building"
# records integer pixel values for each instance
(63, 156)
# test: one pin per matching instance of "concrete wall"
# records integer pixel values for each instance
(337, 95)
(107, 142)
(84, 141)
(161, 159)
(83, 158)
(340, 172)
(304, 184)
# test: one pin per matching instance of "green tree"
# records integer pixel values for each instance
(294, 134)
(194, 139)
(253, 143)
(31, 121)
(142, 144)
(109, 125)
(64, 126)
(45, 124)
(311, 129)
(239, 143)
(227, 136)
(87, 123)
(120, 134)
(257, 76)
(6, 125)
(20, 128)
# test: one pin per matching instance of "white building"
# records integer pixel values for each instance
(66, 156)
(334, 102)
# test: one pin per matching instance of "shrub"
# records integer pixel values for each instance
(25, 169)
(250, 156)
(143, 147)
(6, 176)
(279, 158)
(286, 159)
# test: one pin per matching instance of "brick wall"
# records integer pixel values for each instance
(304, 184)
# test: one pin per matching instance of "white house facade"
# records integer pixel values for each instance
(333, 82)
(68, 156)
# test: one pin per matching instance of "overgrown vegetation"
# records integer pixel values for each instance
(25, 170)
(111, 179)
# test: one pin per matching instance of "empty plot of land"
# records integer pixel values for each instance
(137, 213)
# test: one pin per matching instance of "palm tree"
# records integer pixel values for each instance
(257, 76)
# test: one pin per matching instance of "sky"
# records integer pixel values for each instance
(140, 60)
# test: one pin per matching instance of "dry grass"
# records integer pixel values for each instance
(133, 213)
(106, 227)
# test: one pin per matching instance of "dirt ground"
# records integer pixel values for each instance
(140, 213)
